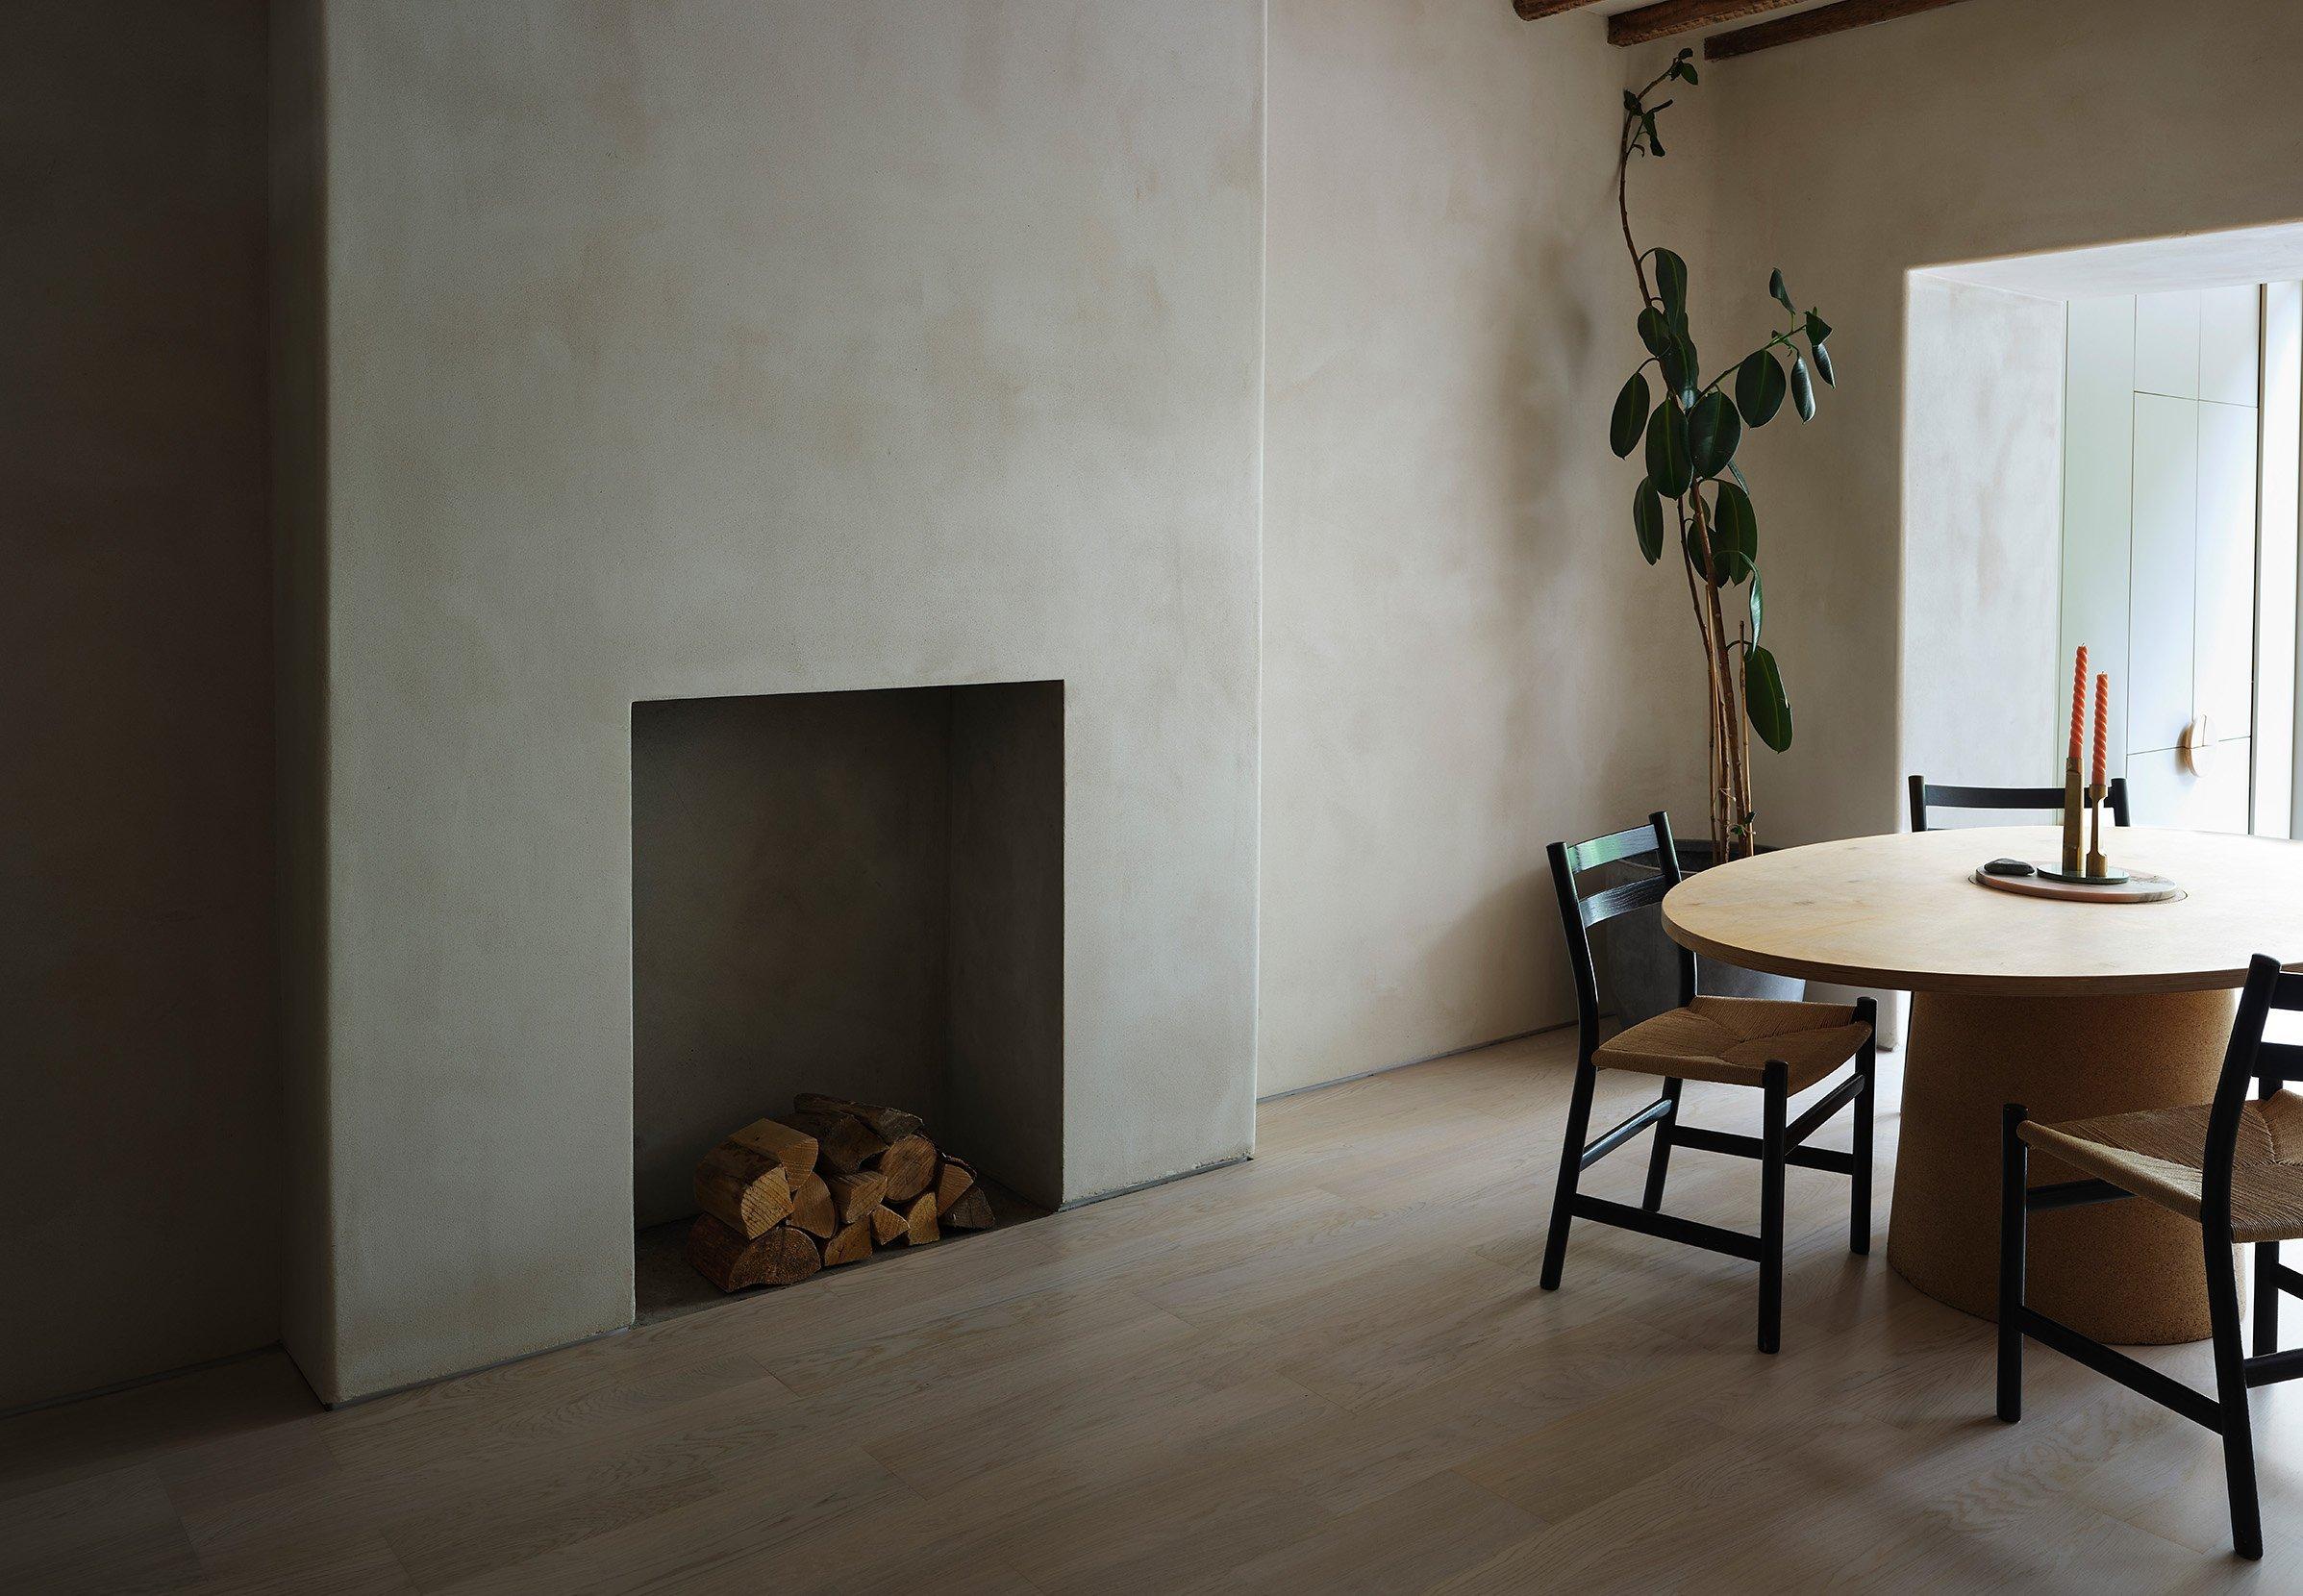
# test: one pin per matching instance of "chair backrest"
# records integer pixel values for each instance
(1579, 912)
(2248, 1060)
(1926, 793)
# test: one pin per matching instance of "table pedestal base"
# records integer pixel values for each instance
(2121, 1272)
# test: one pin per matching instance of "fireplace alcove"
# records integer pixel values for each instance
(858, 893)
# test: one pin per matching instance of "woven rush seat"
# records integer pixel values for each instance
(2156, 1154)
(1733, 1039)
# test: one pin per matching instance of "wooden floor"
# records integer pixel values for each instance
(1328, 1370)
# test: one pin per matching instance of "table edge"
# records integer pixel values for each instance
(1968, 982)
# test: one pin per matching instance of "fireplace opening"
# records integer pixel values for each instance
(857, 894)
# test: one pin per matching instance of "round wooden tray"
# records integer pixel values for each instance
(2136, 889)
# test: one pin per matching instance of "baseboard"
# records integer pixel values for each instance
(1411, 1063)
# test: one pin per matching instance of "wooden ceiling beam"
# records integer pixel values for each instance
(1666, 17)
(1814, 24)
(1530, 10)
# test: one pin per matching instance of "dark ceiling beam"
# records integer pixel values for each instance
(1666, 17)
(1531, 9)
(1814, 24)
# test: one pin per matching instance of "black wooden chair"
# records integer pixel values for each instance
(1781, 1048)
(1926, 794)
(2236, 1167)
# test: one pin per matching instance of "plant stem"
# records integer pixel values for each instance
(1726, 731)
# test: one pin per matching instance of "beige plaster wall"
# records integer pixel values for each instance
(1983, 687)
(1991, 128)
(139, 1114)
(740, 348)
(1464, 658)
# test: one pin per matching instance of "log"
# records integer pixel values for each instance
(888, 1227)
(842, 1140)
(811, 1208)
(851, 1244)
(952, 1181)
(1814, 24)
(855, 1196)
(919, 1220)
(742, 1187)
(971, 1212)
(1665, 18)
(794, 1149)
(888, 1124)
(724, 1256)
(909, 1165)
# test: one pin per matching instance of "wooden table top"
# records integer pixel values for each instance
(1901, 912)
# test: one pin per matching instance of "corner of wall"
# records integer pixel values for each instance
(298, 404)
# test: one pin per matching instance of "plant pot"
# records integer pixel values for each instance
(1642, 975)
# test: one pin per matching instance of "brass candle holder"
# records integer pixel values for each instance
(2096, 868)
(2073, 802)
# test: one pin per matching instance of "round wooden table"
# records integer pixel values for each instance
(2069, 1009)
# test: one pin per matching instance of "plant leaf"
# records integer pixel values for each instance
(1714, 434)
(1735, 534)
(1764, 699)
(1655, 332)
(1631, 101)
(1760, 388)
(1629, 417)
(1783, 295)
(1817, 329)
(1647, 517)
(1758, 608)
(1680, 368)
(1647, 121)
(1803, 389)
(1694, 551)
(1668, 449)
(1823, 366)
(1737, 471)
(1671, 285)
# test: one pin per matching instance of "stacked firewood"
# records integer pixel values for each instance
(821, 1186)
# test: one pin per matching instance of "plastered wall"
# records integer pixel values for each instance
(717, 349)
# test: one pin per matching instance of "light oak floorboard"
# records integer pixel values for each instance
(1329, 1369)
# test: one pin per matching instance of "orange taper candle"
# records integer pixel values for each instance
(2078, 700)
(2102, 724)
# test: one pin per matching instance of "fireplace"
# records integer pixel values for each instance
(856, 893)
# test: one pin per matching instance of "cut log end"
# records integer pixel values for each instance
(919, 1220)
(851, 1244)
(972, 1211)
(812, 1208)
(729, 1261)
(953, 1181)
(909, 1165)
(742, 1187)
(855, 1196)
(888, 1226)
(795, 1150)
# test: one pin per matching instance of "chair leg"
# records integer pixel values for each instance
(1658, 1153)
(2231, 1393)
(1859, 1195)
(2266, 1298)
(1571, 1154)
(1776, 1091)
(2014, 1177)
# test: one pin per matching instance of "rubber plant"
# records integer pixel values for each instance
(1688, 437)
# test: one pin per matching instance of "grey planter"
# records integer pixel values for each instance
(1642, 975)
